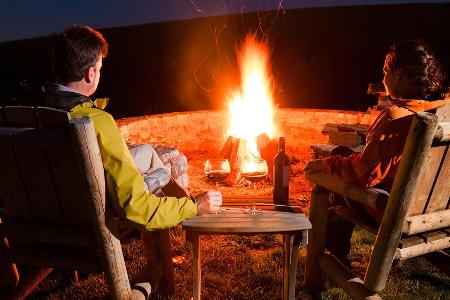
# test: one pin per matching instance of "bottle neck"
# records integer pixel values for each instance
(281, 144)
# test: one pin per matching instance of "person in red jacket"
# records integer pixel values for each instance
(414, 81)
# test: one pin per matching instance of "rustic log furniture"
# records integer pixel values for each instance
(416, 218)
(293, 226)
(52, 190)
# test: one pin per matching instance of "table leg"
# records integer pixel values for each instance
(297, 238)
(287, 244)
(196, 268)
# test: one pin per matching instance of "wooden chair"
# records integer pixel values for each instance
(52, 190)
(416, 219)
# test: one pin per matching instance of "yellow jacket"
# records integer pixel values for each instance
(125, 185)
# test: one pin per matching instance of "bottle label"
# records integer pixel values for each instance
(285, 176)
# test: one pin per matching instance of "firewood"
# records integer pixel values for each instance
(227, 147)
(237, 156)
(267, 148)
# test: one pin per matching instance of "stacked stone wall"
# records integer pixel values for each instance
(206, 130)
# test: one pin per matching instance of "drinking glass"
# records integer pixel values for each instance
(254, 171)
(217, 170)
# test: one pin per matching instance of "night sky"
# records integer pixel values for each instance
(22, 19)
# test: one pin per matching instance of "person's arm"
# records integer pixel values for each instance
(367, 168)
(126, 185)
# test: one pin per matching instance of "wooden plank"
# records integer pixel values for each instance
(43, 201)
(229, 229)
(369, 197)
(9, 276)
(293, 264)
(422, 248)
(68, 258)
(51, 117)
(361, 129)
(318, 236)
(433, 236)
(287, 246)
(343, 277)
(441, 190)
(32, 232)
(2, 119)
(28, 281)
(426, 222)
(68, 184)
(32, 138)
(410, 241)
(350, 139)
(196, 266)
(12, 192)
(426, 182)
(110, 250)
(20, 116)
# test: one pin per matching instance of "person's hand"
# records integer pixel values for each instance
(313, 166)
(208, 202)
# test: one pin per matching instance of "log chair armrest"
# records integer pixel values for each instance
(368, 197)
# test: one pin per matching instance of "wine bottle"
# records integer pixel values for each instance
(281, 175)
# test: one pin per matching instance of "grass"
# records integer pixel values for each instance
(250, 267)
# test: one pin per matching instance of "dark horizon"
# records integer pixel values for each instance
(30, 19)
(321, 57)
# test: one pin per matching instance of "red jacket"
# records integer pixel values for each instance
(377, 164)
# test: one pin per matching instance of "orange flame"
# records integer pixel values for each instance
(251, 108)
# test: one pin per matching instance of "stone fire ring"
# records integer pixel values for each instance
(205, 130)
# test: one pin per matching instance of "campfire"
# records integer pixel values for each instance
(251, 128)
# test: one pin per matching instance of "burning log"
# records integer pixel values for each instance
(237, 155)
(227, 147)
(267, 148)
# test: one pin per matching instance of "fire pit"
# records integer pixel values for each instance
(206, 130)
(201, 135)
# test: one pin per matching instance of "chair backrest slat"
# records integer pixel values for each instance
(68, 185)
(20, 116)
(45, 182)
(441, 192)
(38, 184)
(50, 117)
(14, 197)
(433, 190)
(2, 119)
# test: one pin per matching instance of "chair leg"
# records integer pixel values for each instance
(113, 263)
(9, 276)
(317, 239)
(158, 252)
(28, 281)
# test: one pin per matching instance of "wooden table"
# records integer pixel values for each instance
(293, 226)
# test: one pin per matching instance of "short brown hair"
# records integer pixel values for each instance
(75, 50)
(415, 60)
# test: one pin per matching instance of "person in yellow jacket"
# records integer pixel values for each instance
(77, 59)
(414, 82)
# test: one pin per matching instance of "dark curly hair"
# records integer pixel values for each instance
(416, 61)
(75, 50)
